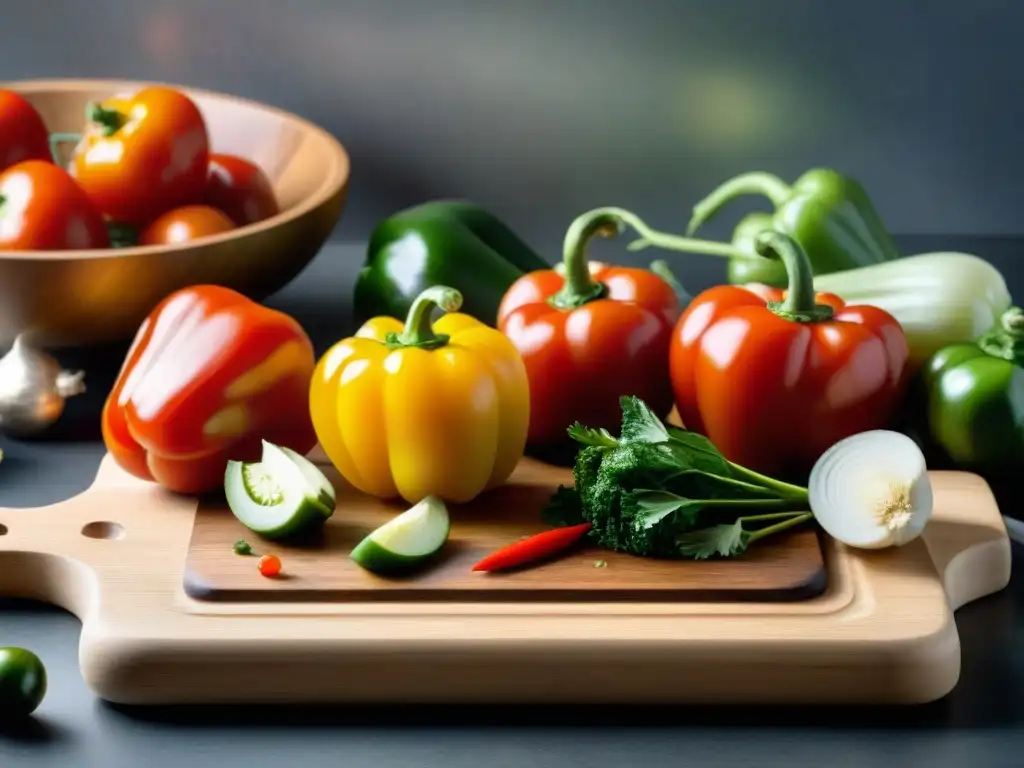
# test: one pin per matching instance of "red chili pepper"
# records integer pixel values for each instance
(534, 548)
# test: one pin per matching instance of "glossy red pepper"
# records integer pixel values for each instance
(538, 547)
(774, 379)
(209, 375)
(591, 336)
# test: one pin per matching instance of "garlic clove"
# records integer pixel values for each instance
(33, 388)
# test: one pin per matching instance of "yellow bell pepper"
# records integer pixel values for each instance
(423, 409)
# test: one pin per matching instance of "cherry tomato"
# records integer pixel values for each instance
(241, 189)
(23, 135)
(143, 155)
(22, 683)
(181, 225)
(269, 565)
(42, 209)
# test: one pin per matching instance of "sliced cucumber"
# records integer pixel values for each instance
(407, 541)
(315, 478)
(273, 497)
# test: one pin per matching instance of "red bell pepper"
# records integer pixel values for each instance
(209, 375)
(774, 379)
(591, 336)
(538, 547)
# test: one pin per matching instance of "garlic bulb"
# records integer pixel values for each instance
(872, 490)
(33, 388)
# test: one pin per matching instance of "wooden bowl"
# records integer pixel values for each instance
(80, 298)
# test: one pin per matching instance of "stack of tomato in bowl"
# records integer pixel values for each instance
(141, 173)
(115, 194)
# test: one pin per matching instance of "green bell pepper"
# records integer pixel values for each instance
(828, 214)
(453, 243)
(974, 398)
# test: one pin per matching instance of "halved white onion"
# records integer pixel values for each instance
(872, 490)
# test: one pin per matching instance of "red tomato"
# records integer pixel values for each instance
(23, 135)
(241, 189)
(42, 209)
(143, 155)
(181, 225)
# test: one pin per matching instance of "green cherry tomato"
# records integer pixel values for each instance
(22, 682)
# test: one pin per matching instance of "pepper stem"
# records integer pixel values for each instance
(799, 304)
(109, 120)
(756, 183)
(419, 328)
(1012, 321)
(610, 221)
(1006, 340)
(580, 286)
(56, 139)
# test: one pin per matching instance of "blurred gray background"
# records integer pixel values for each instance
(541, 109)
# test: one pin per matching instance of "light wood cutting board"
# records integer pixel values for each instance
(118, 555)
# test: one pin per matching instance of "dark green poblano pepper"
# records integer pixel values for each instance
(828, 214)
(974, 396)
(442, 242)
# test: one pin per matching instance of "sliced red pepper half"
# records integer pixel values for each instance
(210, 375)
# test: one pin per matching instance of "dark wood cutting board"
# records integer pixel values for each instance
(791, 568)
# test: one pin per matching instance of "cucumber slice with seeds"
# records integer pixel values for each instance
(274, 497)
(407, 541)
(315, 478)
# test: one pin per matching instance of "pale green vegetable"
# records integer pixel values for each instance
(938, 298)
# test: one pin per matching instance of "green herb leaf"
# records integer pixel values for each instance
(587, 436)
(639, 423)
(654, 506)
(663, 491)
(721, 540)
(698, 451)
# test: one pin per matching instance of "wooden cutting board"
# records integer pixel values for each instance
(321, 570)
(121, 554)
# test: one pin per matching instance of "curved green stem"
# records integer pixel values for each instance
(56, 139)
(109, 120)
(792, 522)
(419, 328)
(787, 490)
(799, 304)
(756, 183)
(580, 286)
(1006, 340)
(651, 237)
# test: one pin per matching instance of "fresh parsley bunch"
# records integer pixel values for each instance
(662, 491)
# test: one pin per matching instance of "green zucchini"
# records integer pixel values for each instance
(407, 541)
(279, 496)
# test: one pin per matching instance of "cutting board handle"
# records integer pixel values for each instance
(53, 553)
(967, 539)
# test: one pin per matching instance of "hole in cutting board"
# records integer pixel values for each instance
(3, 529)
(103, 529)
